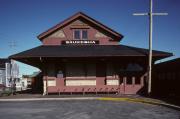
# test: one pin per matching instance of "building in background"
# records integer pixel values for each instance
(81, 55)
(26, 82)
(33, 83)
(166, 79)
(4, 72)
(9, 71)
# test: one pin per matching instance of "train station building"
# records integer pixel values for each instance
(81, 55)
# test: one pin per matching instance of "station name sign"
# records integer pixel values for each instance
(80, 42)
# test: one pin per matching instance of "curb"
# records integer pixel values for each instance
(47, 99)
(146, 101)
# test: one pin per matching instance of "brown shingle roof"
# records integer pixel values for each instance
(86, 51)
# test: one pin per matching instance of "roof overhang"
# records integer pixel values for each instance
(37, 55)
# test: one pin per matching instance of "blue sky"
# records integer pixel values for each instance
(22, 20)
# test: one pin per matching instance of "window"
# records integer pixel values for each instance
(75, 69)
(60, 74)
(77, 34)
(90, 70)
(23, 85)
(80, 34)
(129, 80)
(138, 80)
(134, 67)
(84, 34)
(121, 81)
(110, 72)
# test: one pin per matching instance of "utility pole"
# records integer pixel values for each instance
(150, 14)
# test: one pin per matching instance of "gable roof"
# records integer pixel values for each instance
(86, 17)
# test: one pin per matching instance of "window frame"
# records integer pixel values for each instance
(74, 34)
(81, 34)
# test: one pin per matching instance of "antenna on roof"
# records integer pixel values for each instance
(150, 14)
(12, 44)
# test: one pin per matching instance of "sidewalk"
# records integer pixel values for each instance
(28, 95)
(47, 99)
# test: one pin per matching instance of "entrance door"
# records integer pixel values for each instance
(100, 73)
(122, 85)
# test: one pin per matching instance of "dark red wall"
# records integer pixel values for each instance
(92, 30)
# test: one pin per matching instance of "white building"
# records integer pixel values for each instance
(9, 71)
(24, 83)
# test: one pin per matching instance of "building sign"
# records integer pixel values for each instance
(80, 42)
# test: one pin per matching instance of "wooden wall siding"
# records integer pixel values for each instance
(101, 78)
(100, 35)
(66, 33)
(69, 85)
(168, 73)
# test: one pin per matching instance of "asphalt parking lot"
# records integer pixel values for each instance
(86, 109)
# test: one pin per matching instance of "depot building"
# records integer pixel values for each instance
(81, 55)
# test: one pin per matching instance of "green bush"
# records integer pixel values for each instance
(5, 92)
